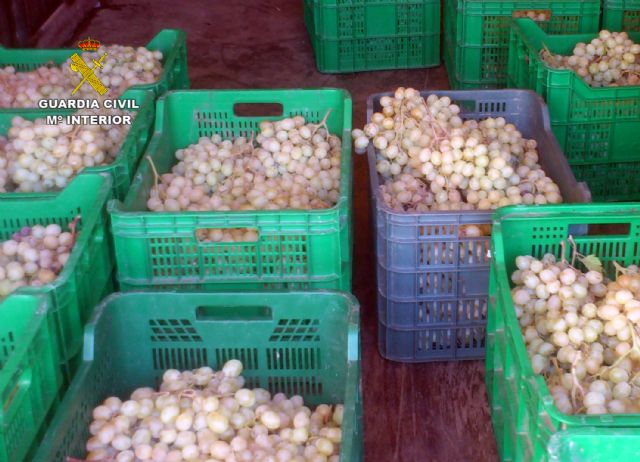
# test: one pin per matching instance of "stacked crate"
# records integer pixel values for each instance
(45, 354)
(620, 15)
(432, 280)
(527, 424)
(597, 128)
(303, 249)
(319, 332)
(476, 34)
(365, 35)
(42, 327)
(298, 343)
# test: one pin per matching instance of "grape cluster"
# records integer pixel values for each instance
(206, 415)
(122, 67)
(42, 157)
(581, 333)
(34, 256)
(291, 165)
(609, 60)
(432, 159)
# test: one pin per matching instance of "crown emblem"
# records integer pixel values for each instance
(89, 44)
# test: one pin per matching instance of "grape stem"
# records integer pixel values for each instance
(155, 172)
(251, 139)
(74, 133)
(574, 252)
(323, 123)
(575, 382)
(563, 248)
(73, 226)
(622, 270)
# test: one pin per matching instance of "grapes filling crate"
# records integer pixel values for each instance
(432, 277)
(88, 271)
(171, 42)
(476, 34)
(130, 151)
(296, 343)
(527, 423)
(290, 248)
(597, 128)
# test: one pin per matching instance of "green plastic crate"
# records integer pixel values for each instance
(124, 166)
(171, 42)
(88, 270)
(365, 35)
(290, 342)
(527, 425)
(30, 374)
(295, 248)
(597, 128)
(620, 15)
(477, 34)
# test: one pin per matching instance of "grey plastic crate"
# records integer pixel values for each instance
(432, 284)
(447, 343)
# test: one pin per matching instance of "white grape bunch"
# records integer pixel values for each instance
(37, 156)
(581, 332)
(430, 158)
(123, 67)
(609, 60)
(210, 416)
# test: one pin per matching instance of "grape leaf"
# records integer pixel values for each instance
(592, 263)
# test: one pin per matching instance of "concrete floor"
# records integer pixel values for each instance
(425, 412)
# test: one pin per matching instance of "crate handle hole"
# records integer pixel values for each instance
(227, 235)
(258, 110)
(600, 229)
(234, 313)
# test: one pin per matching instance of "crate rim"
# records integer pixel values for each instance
(604, 210)
(159, 281)
(353, 360)
(353, 321)
(344, 91)
(529, 377)
(165, 30)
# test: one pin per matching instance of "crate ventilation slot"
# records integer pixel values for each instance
(248, 356)
(296, 330)
(293, 359)
(179, 358)
(306, 386)
(173, 330)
